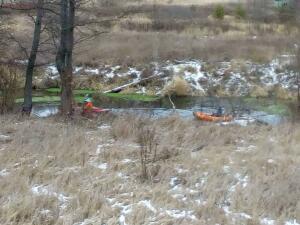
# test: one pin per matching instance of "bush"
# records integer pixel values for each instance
(148, 149)
(219, 12)
(240, 12)
(8, 88)
(177, 86)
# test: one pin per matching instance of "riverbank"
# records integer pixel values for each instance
(191, 77)
(195, 173)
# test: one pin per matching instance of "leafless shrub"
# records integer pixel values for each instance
(146, 138)
(8, 88)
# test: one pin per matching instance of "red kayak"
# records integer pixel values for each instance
(93, 112)
(99, 110)
(211, 118)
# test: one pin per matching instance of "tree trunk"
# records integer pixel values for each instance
(64, 55)
(298, 91)
(27, 105)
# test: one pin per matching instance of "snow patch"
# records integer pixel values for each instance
(104, 127)
(178, 214)
(267, 221)
(51, 70)
(126, 161)
(292, 222)
(180, 170)
(4, 173)
(44, 190)
(94, 71)
(245, 148)
(147, 204)
(191, 71)
(100, 148)
(102, 166)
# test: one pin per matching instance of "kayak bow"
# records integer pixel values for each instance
(211, 118)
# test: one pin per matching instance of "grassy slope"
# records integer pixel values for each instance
(75, 92)
(49, 99)
(79, 96)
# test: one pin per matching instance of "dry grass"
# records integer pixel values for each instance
(179, 31)
(75, 173)
(9, 84)
(173, 31)
(134, 48)
(177, 87)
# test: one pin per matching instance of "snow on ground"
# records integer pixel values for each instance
(191, 72)
(4, 173)
(126, 209)
(104, 127)
(101, 147)
(292, 222)
(267, 221)
(102, 166)
(4, 137)
(92, 71)
(51, 70)
(126, 201)
(188, 194)
(236, 80)
(237, 84)
(46, 190)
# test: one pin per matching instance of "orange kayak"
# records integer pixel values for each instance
(211, 118)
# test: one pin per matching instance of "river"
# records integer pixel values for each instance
(245, 110)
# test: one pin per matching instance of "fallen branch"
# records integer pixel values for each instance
(120, 88)
(173, 105)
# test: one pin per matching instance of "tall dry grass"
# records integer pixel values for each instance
(58, 173)
(131, 48)
(9, 85)
(178, 31)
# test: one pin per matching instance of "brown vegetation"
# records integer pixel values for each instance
(177, 32)
(177, 87)
(9, 84)
(73, 173)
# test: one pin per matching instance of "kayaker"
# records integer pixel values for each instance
(219, 112)
(87, 105)
(89, 109)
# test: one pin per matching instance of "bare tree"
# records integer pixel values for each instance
(59, 24)
(298, 74)
(65, 53)
(27, 105)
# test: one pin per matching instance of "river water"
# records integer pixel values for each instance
(244, 110)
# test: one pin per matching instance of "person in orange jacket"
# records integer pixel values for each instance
(89, 108)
